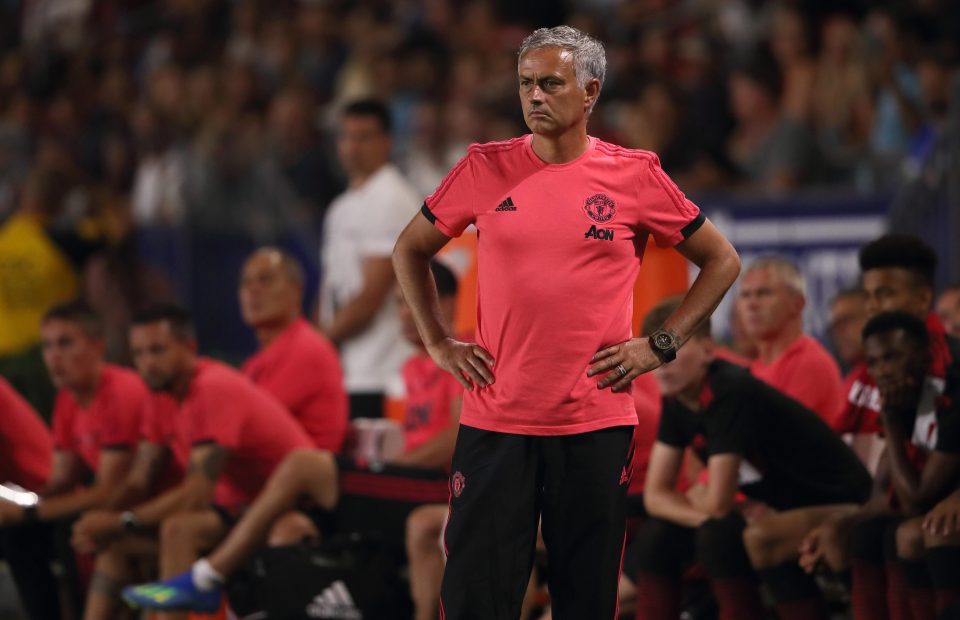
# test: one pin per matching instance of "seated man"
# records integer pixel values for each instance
(433, 401)
(230, 432)
(753, 439)
(295, 363)
(882, 541)
(96, 423)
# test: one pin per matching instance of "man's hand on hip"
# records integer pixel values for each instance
(469, 363)
(627, 361)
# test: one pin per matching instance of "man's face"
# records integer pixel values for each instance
(267, 292)
(766, 303)
(848, 315)
(362, 144)
(948, 309)
(70, 354)
(893, 358)
(895, 288)
(687, 369)
(551, 98)
(159, 356)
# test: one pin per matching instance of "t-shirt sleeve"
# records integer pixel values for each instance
(451, 206)
(217, 416)
(726, 427)
(664, 211)
(670, 430)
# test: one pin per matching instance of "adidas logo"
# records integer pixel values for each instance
(334, 602)
(506, 205)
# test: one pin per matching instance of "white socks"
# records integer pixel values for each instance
(205, 577)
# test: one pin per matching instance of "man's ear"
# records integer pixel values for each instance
(592, 92)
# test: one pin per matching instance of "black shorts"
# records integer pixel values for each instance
(500, 487)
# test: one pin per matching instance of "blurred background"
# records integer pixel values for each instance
(162, 140)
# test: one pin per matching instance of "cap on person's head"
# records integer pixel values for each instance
(371, 108)
(178, 317)
(898, 320)
(444, 278)
(78, 312)
(658, 315)
(901, 251)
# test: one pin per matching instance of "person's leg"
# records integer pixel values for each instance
(28, 551)
(653, 567)
(492, 527)
(293, 528)
(869, 574)
(909, 552)
(184, 536)
(733, 581)
(115, 566)
(773, 546)
(424, 526)
(584, 520)
(942, 554)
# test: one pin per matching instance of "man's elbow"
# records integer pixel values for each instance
(718, 509)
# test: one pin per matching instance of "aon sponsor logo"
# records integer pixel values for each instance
(600, 234)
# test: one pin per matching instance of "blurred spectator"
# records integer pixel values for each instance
(772, 297)
(948, 309)
(790, 42)
(357, 311)
(848, 315)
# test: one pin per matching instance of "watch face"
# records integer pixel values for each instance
(663, 340)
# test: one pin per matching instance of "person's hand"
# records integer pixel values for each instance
(944, 519)
(627, 360)
(10, 513)
(900, 397)
(812, 548)
(469, 363)
(94, 528)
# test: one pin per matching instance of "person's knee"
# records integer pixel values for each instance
(184, 528)
(719, 545)
(424, 525)
(292, 528)
(760, 541)
(909, 540)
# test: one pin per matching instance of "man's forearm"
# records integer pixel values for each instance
(674, 507)
(419, 292)
(351, 319)
(903, 476)
(718, 272)
(192, 494)
(69, 505)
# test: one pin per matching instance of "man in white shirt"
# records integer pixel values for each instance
(362, 224)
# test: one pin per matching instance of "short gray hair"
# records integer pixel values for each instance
(589, 58)
(789, 273)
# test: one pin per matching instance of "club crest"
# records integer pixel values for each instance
(600, 208)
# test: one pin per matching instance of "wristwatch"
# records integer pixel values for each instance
(664, 345)
(129, 521)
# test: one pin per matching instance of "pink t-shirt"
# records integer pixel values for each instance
(301, 369)
(431, 392)
(559, 251)
(26, 447)
(807, 373)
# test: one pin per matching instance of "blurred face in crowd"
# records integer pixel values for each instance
(552, 100)
(363, 145)
(896, 288)
(748, 98)
(848, 315)
(268, 292)
(685, 374)
(893, 359)
(162, 359)
(948, 309)
(409, 326)
(767, 304)
(72, 356)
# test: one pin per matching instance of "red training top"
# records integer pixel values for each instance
(26, 448)
(110, 421)
(431, 392)
(807, 373)
(558, 252)
(301, 369)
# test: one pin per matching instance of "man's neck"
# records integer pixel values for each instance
(771, 348)
(563, 148)
(182, 383)
(84, 394)
(359, 179)
(268, 331)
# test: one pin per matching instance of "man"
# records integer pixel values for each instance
(848, 315)
(95, 430)
(771, 297)
(754, 440)
(433, 406)
(229, 432)
(548, 414)
(295, 363)
(883, 540)
(357, 311)
(948, 309)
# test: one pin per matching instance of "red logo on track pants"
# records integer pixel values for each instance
(457, 484)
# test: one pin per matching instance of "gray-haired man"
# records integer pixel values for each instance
(564, 219)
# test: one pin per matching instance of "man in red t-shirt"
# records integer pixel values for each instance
(96, 422)
(26, 448)
(771, 299)
(296, 363)
(547, 418)
(237, 434)
(433, 405)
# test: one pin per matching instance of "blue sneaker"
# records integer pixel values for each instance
(175, 594)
